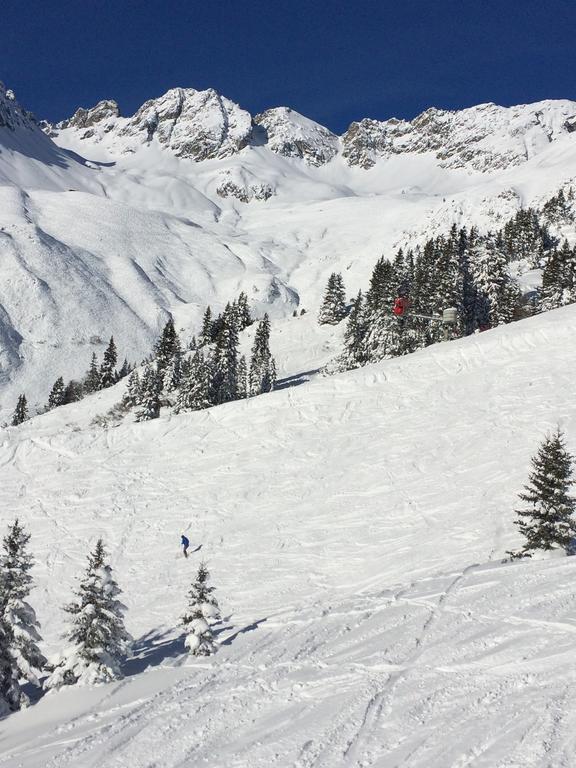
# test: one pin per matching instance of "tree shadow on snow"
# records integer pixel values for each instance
(248, 628)
(296, 379)
(151, 650)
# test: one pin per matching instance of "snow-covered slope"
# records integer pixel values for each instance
(116, 222)
(354, 527)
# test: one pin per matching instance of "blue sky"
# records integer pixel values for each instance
(333, 61)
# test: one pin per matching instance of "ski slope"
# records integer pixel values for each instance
(355, 528)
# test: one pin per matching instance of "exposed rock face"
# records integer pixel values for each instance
(203, 125)
(243, 186)
(292, 135)
(12, 116)
(196, 124)
(483, 138)
(104, 115)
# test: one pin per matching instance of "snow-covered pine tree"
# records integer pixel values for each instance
(133, 390)
(56, 396)
(206, 335)
(73, 392)
(559, 278)
(108, 375)
(547, 520)
(499, 298)
(201, 613)
(262, 377)
(92, 378)
(333, 308)
(195, 389)
(225, 369)
(124, 370)
(167, 347)
(242, 378)
(383, 287)
(243, 312)
(20, 412)
(355, 351)
(20, 656)
(149, 397)
(98, 640)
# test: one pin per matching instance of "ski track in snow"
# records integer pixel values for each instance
(354, 528)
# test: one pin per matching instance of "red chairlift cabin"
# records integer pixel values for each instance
(401, 305)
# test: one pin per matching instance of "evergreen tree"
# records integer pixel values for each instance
(243, 312)
(125, 370)
(97, 637)
(167, 347)
(56, 397)
(242, 378)
(333, 308)
(559, 278)
(196, 385)
(20, 656)
(548, 519)
(207, 332)
(92, 378)
(133, 390)
(383, 287)
(498, 298)
(262, 364)
(355, 350)
(201, 613)
(149, 394)
(20, 412)
(225, 371)
(73, 392)
(108, 375)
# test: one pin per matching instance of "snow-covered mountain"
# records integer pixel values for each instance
(109, 223)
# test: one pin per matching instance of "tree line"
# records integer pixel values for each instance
(96, 640)
(210, 371)
(464, 270)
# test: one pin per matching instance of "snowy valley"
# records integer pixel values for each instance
(355, 525)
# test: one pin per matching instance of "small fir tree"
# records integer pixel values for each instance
(124, 370)
(196, 384)
(243, 312)
(149, 396)
(202, 612)
(355, 352)
(133, 390)
(57, 394)
(92, 378)
(225, 370)
(20, 656)
(167, 347)
(20, 412)
(108, 375)
(98, 640)
(206, 334)
(547, 521)
(73, 392)
(333, 308)
(242, 378)
(262, 365)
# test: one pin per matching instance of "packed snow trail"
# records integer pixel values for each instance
(354, 528)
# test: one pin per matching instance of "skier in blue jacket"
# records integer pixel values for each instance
(185, 544)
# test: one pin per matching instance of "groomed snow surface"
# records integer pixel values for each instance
(355, 528)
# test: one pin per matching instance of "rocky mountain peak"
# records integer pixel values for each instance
(12, 115)
(290, 134)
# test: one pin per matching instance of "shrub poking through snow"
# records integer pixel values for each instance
(98, 640)
(202, 612)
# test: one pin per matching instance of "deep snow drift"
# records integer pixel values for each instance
(354, 527)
